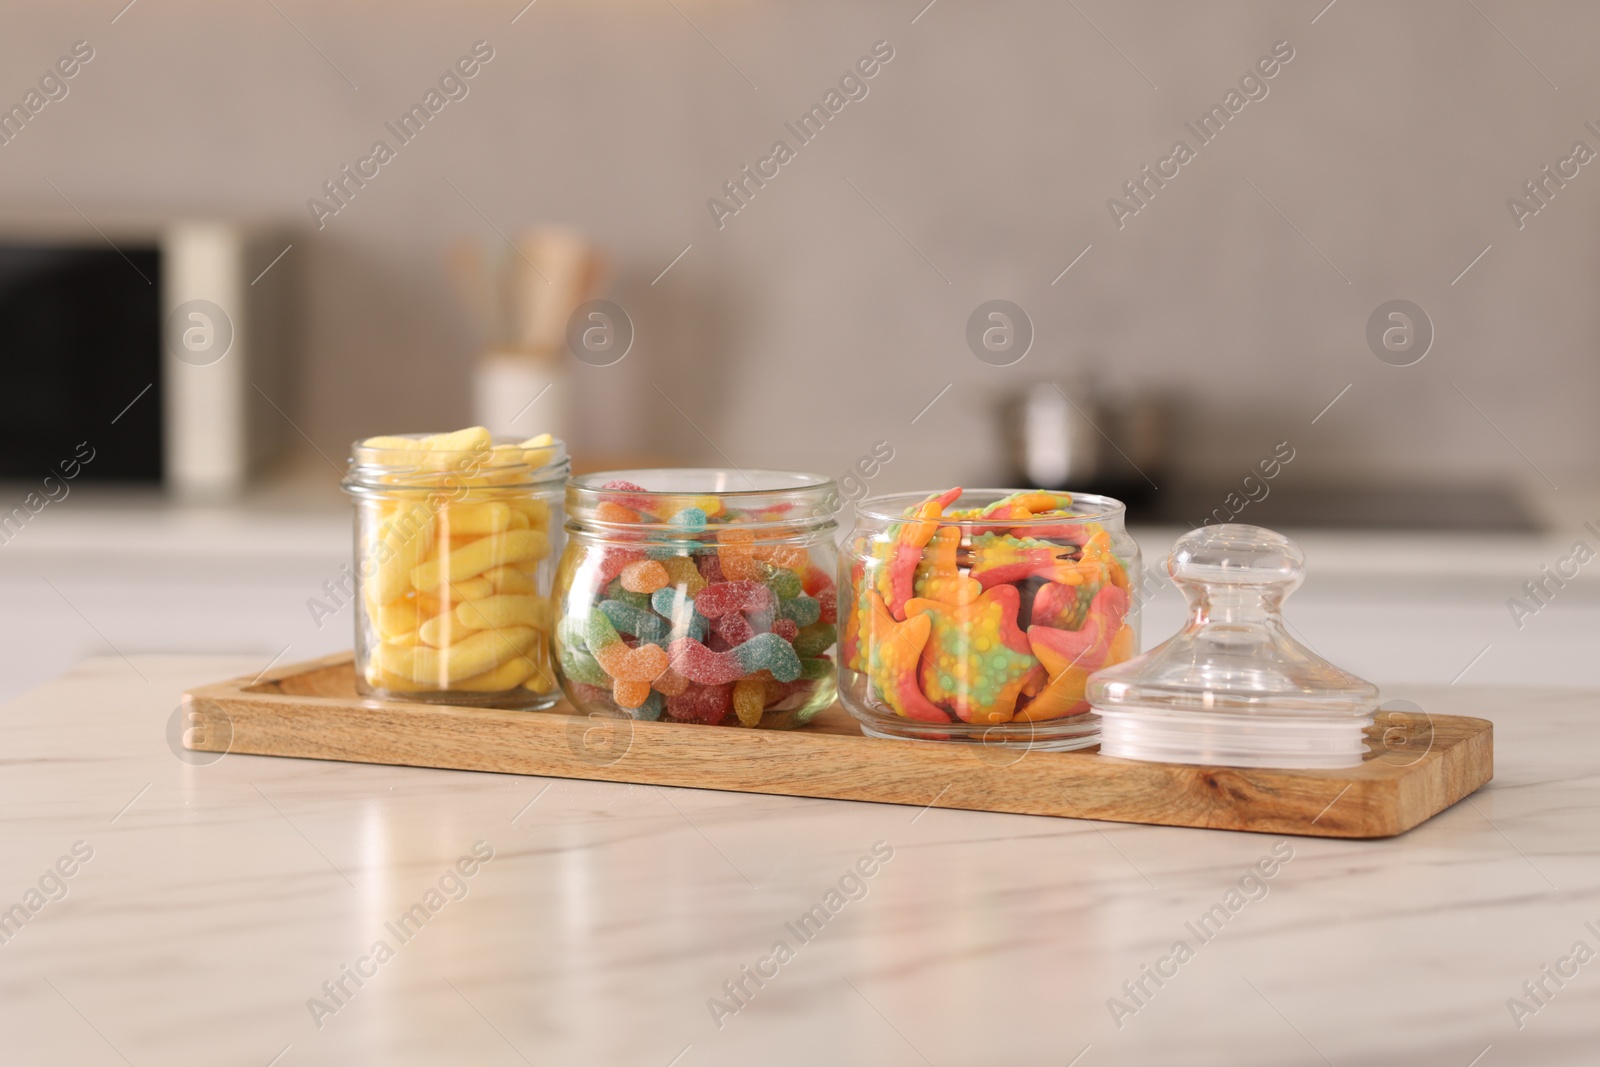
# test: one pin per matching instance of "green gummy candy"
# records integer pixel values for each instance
(614, 591)
(570, 633)
(647, 626)
(579, 666)
(814, 640)
(768, 652)
(598, 632)
(816, 670)
(785, 584)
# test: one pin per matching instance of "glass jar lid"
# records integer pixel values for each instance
(1233, 687)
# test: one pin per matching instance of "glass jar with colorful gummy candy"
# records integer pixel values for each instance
(979, 615)
(456, 536)
(699, 596)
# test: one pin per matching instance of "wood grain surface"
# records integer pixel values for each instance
(1418, 765)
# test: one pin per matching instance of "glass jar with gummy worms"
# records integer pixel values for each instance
(456, 538)
(699, 596)
(979, 615)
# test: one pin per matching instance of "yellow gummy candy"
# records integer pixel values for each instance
(480, 519)
(511, 580)
(468, 589)
(397, 618)
(536, 511)
(505, 610)
(508, 675)
(401, 544)
(543, 679)
(482, 555)
(483, 651)
(472, 439)
(441, 631)
(749, 699)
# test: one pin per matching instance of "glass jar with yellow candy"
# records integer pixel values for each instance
(979, 615)
(456, 540)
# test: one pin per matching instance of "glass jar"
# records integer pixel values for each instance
(979, 615)
(699, 595)
(456, 538)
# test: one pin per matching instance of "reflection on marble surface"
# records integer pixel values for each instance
(223, 902)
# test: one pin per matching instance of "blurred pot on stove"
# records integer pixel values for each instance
(1067, 435)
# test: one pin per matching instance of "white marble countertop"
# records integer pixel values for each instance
(216, 901)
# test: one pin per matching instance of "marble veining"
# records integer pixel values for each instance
(223, 902)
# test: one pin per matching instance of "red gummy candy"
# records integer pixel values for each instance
(700, 664)
(707, 704)
(829, 599)
(711, 567)
(787, 629)
(716, 643)
(637, 503)
(735, 629)
(720, 598)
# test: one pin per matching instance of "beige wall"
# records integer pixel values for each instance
(808, 327)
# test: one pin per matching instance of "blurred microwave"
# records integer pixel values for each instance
(162, 347)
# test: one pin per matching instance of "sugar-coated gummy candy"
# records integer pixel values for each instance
(613, 558)
(598, 631)
(570, 632)
(690, 519)
(719, 598)
(682, 572)
(815, 580)
(679, 610)
(710, 594)
(643, 576)
(733, 628)
(611, 511)
(710, 565)
(749, 700)
(580, 666)
(738, 556)
(828, 604)
(769, 652)
(804, 610)
(647, 626)
(670, 683)
(625, 494)
(818, 669)
(629, 693)
(707, 704)
(615, 591)
(624, 664)
(785, 584)
(815, 639)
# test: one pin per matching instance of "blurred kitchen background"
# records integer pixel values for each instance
(1176, 354)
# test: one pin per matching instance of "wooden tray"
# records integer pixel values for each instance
(1418, 765)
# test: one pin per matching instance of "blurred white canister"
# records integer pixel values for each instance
(520, 394)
